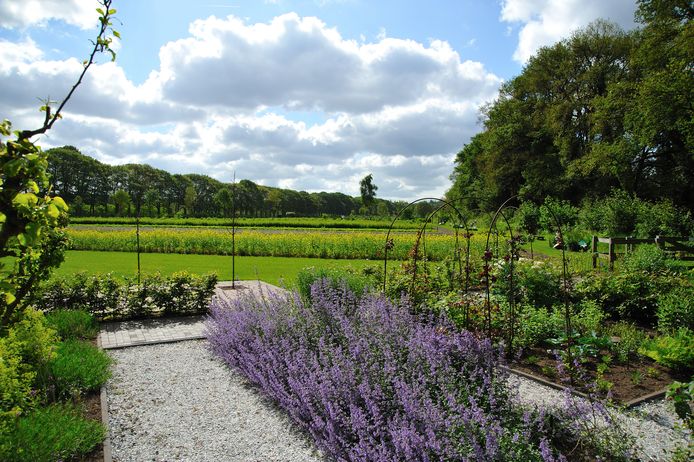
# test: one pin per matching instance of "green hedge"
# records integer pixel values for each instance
(109, 298)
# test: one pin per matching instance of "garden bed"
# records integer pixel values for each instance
(625, 383)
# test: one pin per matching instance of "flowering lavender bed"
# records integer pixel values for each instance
(370, 381)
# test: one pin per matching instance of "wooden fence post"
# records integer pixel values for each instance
(611, 253)
(594, 250)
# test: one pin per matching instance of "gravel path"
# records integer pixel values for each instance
(656, 427)
(176, 401)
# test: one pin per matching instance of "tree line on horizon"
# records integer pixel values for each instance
(602, 111)
(93, 188)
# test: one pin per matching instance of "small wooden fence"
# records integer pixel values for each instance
(679, 247)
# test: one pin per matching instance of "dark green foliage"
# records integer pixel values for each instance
(599, 110)
(56, 432)
(73, 324)
(621, 214)
(682, 396)
(675, 351)
(79, 367)
(106, 297)
(676, 309)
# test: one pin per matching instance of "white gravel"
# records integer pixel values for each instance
(654, 425)
(176, 401)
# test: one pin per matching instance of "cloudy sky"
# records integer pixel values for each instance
(308, 94)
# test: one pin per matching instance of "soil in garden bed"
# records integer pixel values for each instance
(92, 411)
(630, 381)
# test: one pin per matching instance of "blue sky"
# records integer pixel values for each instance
(311, 95)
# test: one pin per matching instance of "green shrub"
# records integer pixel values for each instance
(676, 309)
(646, 259)
(663, 218)
(15, 383)
(57, 432)
(538, 283)
(675, 351)
(73, 324)
(79, 367)
(108, 298)
(536, 324)
(630, 338)
(565, 213)
(357, 283)
(588, 318)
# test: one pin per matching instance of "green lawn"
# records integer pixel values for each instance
(269, 269)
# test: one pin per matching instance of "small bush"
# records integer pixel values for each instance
(536, 324)
(15, 383)
(676, 309)
(79, 367)
(562, 210)
(675, 351)
(630, 340)
(645, 259)
(588, 318)
(539, 284)
(57, 432)
(73, 324)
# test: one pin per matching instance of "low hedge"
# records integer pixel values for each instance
(109, 298)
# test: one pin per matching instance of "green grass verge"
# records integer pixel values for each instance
(272, 270)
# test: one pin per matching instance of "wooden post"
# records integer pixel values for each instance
(594, 250)
(611, 253)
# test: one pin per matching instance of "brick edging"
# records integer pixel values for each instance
(108, 456)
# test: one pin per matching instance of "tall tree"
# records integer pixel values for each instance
(368, 190)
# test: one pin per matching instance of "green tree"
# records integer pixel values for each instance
(30, 216)
(121, 201)
(368, 190)
(189, 199)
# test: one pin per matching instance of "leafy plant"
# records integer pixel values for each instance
(56, 432)
(676, 309)
(628, 340)
(79, 367)
(30, 217)
(357, 283)
(682, 397)
(73, 324)
(105, 297)
(675, 351)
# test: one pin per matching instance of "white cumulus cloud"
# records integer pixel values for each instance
(544, 22)
(23, 13)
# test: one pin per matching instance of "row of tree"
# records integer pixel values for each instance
(97, 189)
(604, 109)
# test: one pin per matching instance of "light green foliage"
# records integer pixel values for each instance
(73, 324)
(682, 397)
(79, 367)
(536, 324)
(675, 351)
(645, 259)
(34, 339)
(15, 383)
(676, 309)
(56, 432)
(589, 317)
(29, 214)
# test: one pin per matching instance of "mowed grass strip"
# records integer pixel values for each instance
(336, 245)
(273, 270)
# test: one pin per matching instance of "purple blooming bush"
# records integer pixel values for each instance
(370, 381)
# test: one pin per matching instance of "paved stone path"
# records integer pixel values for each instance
(150, 331)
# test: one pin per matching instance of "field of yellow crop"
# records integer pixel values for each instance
(311, 244)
